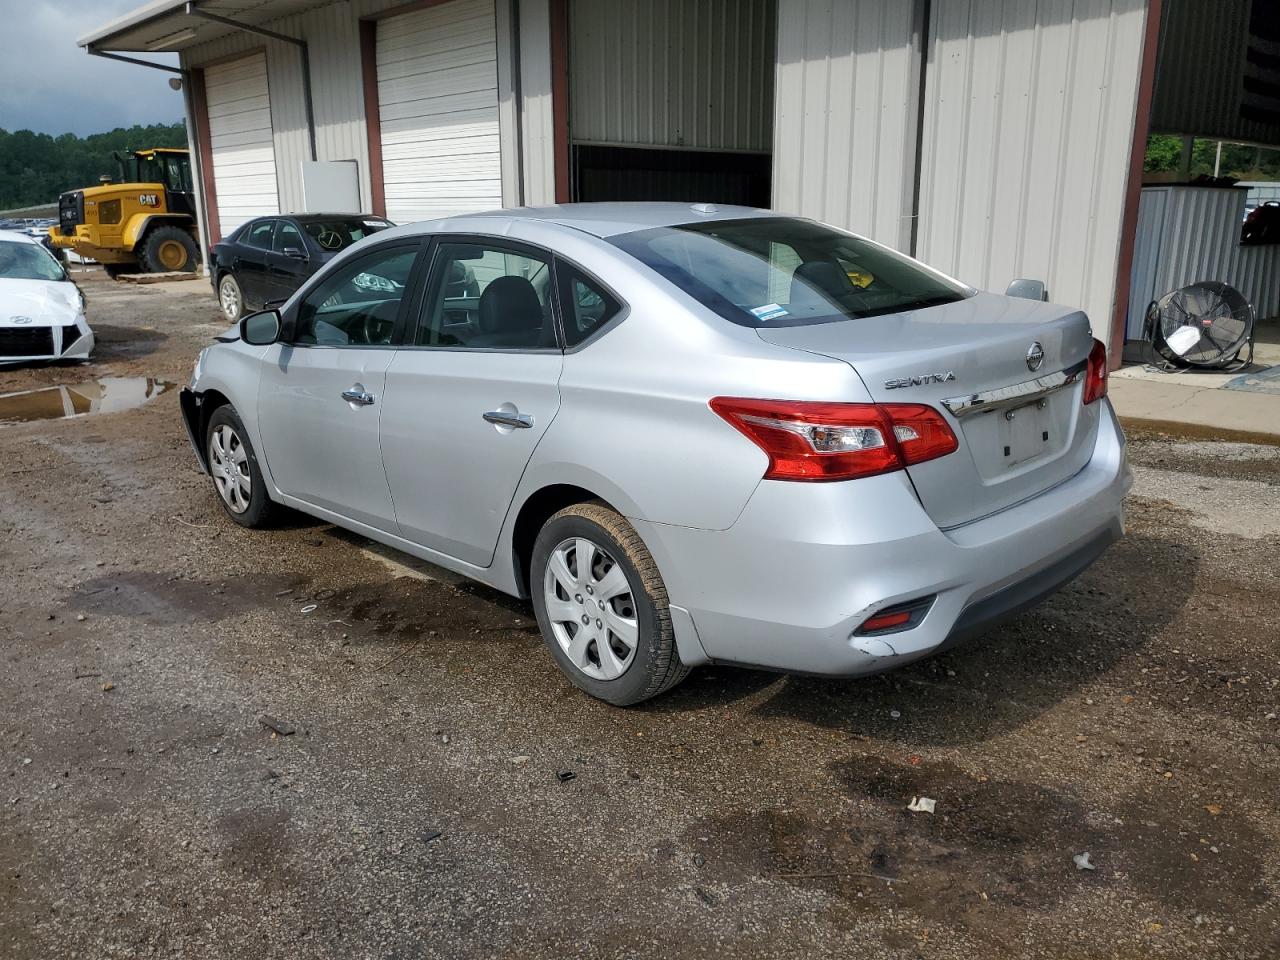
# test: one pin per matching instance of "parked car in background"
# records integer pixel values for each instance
(267, 259)
(41, 309)
(689, 434)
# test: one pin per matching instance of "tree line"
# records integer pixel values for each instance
(36, 167)
(1239, 161)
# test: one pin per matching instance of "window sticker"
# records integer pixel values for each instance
(770, 311)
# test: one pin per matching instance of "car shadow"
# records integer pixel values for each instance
(993, 684)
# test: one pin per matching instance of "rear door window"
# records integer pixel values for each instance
(488, 296)
(259, 234)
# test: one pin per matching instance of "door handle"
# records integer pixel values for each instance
(504, 418)
(358, 395)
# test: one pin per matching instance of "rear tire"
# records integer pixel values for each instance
(588, 562)
(231, 297)
(167, 248)
(233, 465)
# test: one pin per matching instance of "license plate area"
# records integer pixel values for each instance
(1024, 433)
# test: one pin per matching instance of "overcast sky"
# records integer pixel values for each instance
(50, 85)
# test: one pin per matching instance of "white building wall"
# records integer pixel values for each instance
(672, 73)
(1028, 128)
(846, 114)
(333, 35)
(537, 131)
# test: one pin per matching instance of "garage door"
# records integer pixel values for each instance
(438, 108)
(244, 165)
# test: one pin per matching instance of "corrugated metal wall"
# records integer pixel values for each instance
(1186, 234)
(1028, 129)
(674, 73)
(845, 120)
(1200, 74)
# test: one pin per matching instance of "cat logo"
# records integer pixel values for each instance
(149, 199)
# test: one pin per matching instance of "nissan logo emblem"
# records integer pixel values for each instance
(1035, 356)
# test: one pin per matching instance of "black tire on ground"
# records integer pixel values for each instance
(259, 509)
(167, 248)
(114, 270)
(656, 666)
(230, 297)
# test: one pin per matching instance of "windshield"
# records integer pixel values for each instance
(780, 272)
(28, 261)
(340, 234)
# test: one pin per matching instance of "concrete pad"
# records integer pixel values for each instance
(1178, 407)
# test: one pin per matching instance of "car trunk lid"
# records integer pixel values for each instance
(1021, 424)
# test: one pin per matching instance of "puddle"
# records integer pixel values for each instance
(95, 396)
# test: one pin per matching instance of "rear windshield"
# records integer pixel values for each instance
(780, 272)
(340, 234)
(28, 261)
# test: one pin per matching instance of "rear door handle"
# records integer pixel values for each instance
(358, 395)
(505, 419)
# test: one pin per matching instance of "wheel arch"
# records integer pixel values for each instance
(139, 225)
(539, 507)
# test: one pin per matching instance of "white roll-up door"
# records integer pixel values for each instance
(438, 110)
(244, 164)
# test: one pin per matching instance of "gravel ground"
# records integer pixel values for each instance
(446, 793)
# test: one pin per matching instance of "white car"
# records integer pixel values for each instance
(41, 309)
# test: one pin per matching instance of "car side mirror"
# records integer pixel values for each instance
(260, 329)
(1028, 290)
(294, 253)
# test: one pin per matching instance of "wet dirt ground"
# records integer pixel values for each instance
(445, 793)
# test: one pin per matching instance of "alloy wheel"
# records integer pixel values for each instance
(229, 294)
(229, 464)
(591, 608)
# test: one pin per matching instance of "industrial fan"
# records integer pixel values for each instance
(1206, 324)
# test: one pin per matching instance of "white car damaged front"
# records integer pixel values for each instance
(41, 309)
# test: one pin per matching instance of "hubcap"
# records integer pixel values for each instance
(230, 298)
(229, 464)
(172, 255)
(592, 609)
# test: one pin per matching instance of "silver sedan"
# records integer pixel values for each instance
(686, 433)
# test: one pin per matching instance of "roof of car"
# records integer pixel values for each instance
(610, 219)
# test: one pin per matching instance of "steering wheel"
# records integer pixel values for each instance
(376, 328)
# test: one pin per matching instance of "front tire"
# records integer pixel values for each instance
(231, 298)
(234, 469)
(168, 249)
(602, 606)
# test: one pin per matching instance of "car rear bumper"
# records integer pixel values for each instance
(787, 585)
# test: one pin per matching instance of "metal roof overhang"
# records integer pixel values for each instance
(166, 26)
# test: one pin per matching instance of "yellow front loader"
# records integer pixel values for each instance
(144, 222)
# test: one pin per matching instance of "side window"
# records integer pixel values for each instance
(585, 305)
(358, 304)
(259, 235)
(287, 235)
(485, 296)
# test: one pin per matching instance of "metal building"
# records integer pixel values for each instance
(993, 140)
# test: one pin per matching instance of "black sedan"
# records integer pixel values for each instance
(265, 260)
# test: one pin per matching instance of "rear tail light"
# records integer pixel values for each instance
(1095, 379)
(807, 440)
